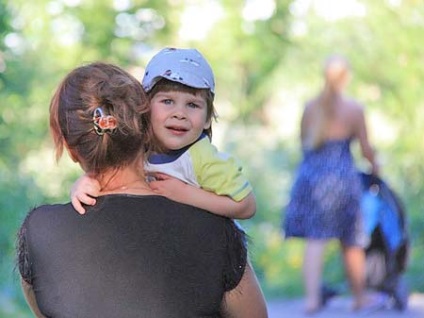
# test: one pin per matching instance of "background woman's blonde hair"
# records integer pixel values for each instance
(336, 70)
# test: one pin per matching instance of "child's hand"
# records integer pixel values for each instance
(84, 191)
(170, 187)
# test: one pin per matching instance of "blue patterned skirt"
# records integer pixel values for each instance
(325, 197)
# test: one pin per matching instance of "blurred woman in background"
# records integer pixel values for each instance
(325, 197)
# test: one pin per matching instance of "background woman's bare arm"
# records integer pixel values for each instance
(362, 135)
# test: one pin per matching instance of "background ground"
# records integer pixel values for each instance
(339, 307)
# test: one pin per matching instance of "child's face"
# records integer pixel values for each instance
(178, 118)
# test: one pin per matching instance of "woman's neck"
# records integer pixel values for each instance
(125, 180)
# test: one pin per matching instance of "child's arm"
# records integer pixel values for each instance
(179, 191)
(84, 191)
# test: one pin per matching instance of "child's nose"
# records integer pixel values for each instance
(179, 112)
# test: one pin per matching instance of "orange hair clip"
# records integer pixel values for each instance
(103, 124)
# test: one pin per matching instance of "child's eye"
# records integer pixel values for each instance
(167, 101)
(193, 105)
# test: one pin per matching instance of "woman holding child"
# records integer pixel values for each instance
(134, 253)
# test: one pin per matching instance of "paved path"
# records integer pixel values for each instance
(339, 307)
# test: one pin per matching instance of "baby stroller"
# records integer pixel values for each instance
(388, 246)
(387, 251)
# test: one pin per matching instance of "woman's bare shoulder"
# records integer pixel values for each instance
(311, 102)
(354, 104)
(353, 108)
(310, 105)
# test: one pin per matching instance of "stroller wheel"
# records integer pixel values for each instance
(401, 295)
(327, 293)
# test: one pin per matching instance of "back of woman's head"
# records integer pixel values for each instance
(101, 114)
(336, 76)
(336, 72)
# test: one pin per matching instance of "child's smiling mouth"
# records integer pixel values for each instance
(177, 129)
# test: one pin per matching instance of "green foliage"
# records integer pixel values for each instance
(266, 66)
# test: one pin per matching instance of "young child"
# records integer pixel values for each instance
(189, 169)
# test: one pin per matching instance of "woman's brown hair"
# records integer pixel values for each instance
(116, 93)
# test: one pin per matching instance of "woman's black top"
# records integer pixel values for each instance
(130, 256)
